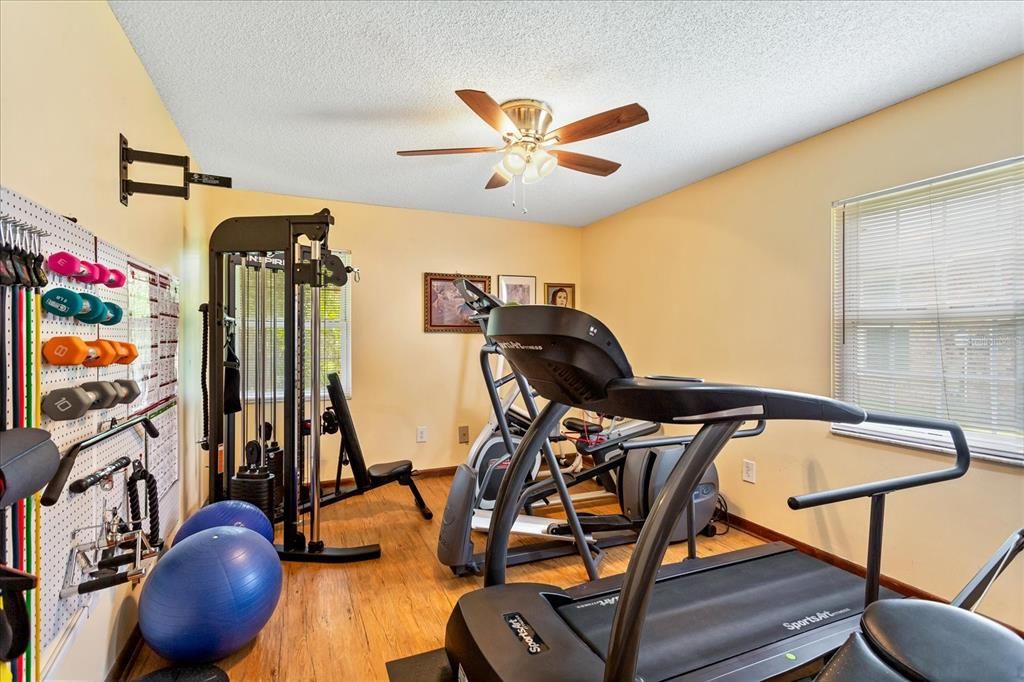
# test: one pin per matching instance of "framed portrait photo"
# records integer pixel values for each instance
(443, 307)
(560, 293)
(517, 289)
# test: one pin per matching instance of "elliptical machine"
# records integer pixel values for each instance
(639, 466)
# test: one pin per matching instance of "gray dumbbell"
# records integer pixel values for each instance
(72, 403)
(127, 391)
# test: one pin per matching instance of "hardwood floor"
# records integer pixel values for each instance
(344, 622)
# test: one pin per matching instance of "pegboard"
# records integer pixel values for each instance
(150, 304)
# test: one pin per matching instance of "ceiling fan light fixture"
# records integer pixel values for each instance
(544, 162)
(500, 170)
(531, 174)
(515, 160)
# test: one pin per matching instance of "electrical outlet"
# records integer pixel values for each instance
(463, 434)
(750, 471)
(421, 434)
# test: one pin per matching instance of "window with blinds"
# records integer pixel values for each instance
(335, 331)
(928, 307)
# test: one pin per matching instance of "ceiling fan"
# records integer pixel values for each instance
(529, 149)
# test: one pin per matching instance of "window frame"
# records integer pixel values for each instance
(983, 447)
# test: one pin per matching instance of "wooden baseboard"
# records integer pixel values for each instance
(126, 658)
(418, 473)
(772, 536)
(439, 471)
(909, 590)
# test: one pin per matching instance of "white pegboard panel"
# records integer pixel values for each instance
(162, 456)
(149, 301)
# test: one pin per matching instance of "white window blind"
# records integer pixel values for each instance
(928, 307)
(335, 331)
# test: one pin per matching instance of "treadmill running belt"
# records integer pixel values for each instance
(699, 619)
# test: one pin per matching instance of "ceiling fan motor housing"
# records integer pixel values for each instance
(532, 117)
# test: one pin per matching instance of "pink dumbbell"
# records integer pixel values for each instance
(115, 279)
(63, 263)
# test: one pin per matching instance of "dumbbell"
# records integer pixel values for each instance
(71, 350)
(84, 307)
(71, 403)
(126, 352)
(63, 263)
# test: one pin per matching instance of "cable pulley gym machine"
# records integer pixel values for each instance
(247, 254)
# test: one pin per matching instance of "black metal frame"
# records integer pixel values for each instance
(975, 590)
(127, 156)
(642, 573)
(269, 234)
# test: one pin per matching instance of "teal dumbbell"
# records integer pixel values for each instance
(84, 307)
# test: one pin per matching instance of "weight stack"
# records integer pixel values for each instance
(275, 456)
(256, 486)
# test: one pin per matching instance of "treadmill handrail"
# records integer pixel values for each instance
(959, 468)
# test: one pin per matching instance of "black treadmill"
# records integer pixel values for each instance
(754, 614)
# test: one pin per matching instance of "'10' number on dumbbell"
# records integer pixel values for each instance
(71, 403)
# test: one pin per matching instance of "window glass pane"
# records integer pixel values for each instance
(335, 306)
(928, 301)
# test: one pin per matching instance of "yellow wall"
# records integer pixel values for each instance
(69, 83)
(402, 377)
(729, 279)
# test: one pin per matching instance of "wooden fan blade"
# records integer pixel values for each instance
(454, 150)
(497, 180)
(584, 163)
(487, 109)
(600, 124)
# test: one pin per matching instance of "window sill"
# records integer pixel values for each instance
(988, 450)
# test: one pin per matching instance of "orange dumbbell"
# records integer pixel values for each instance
(126, 352)
(71, 350)
(131, 355)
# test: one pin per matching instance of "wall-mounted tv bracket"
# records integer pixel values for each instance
(128, 156)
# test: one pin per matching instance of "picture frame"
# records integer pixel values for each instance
(443, 307)
(517, 289)
(553, 291)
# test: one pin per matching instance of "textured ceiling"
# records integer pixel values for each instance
(314, 99)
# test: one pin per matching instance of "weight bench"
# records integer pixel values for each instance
(339, 419)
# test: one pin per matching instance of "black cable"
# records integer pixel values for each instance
(204, 368)
(139, 473)
(134, 508)
(721, 515)
(153, 500)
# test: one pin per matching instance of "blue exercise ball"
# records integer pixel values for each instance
(210, 594)
(227, 513)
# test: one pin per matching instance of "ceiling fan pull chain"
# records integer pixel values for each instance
(522, 197)
(513, 191)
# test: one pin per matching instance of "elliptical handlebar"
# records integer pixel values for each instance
(475, 297)
(627, 444)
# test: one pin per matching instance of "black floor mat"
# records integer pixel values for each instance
(186, 673)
